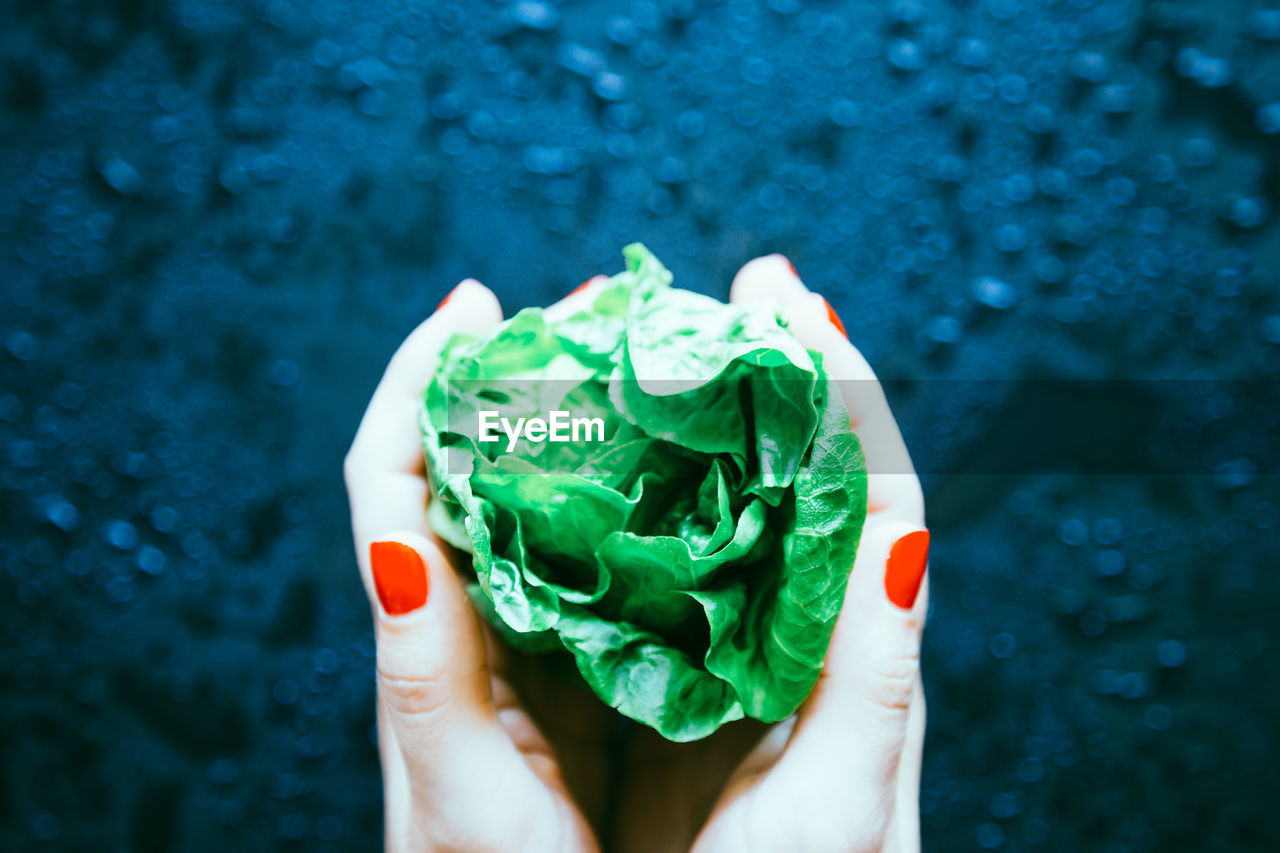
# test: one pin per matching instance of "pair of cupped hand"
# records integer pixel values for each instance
(481, 751)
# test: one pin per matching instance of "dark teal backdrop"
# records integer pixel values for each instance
(218, 219)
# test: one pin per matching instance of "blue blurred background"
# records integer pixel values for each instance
(217, 220)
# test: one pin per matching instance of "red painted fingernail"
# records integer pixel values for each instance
(790, 266)
(835, 318)
(447, 297)
(399, 576)
(905, 569)
(583, 286)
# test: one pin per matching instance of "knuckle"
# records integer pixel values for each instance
(892, 681)
(417, 695)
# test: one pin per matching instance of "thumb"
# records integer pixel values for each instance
(859, 711)
(861, 728)
(432, 680)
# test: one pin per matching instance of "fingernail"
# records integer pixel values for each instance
(399, 576)
(905, 568)
(835, 318)
(790, 265)
(447, 297)
(582, 286)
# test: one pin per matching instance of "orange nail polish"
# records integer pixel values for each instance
(905, 569)
(584, 285)
(447, 297)
(399, 576)
(835, 318)
(790, 266)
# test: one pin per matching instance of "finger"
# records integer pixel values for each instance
(431, 676)
(578, 299)
(384, 467)
(856, 720)
(892, 486)
(905, 834)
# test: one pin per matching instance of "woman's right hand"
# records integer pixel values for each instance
(464, 765)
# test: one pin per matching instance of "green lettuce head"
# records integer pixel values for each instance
(681, 517)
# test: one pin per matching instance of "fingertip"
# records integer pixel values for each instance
(765, 278)
(834, 319)
(410, 572)
(578, 299)
(472, 306)
(460, 285)
(594, 281)
(445, 301)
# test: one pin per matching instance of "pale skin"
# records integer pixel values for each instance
(482, 751)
